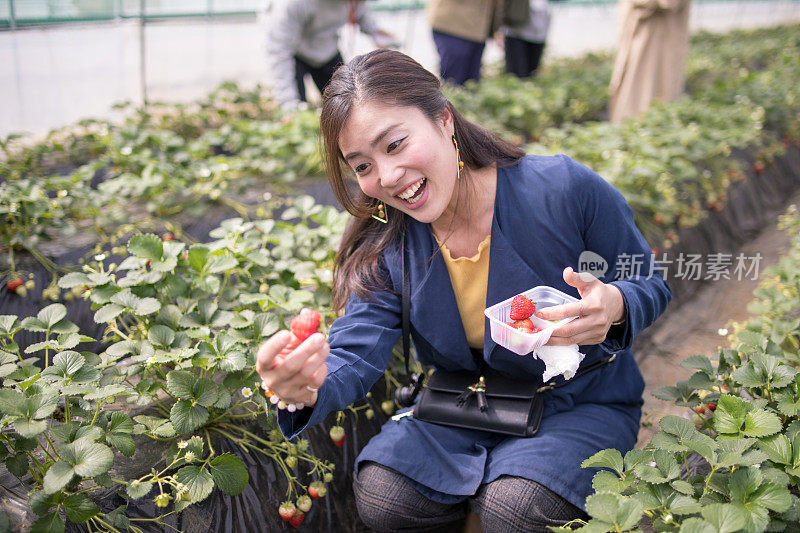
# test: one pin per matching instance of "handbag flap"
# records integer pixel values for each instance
(497, 385)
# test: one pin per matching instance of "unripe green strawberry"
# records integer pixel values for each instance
(388, 407)
(304, 503)
(291, 462)
(162, 500)
(328, 477)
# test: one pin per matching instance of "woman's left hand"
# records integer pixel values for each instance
(599, 306)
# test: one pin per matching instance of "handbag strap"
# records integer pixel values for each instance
(405, 307)
(405, 396)
(603, 361)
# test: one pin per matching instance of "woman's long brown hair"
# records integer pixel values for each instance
(390, 78)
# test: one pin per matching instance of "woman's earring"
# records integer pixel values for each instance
(380, 215)
(458, 158)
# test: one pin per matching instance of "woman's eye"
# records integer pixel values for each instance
(360, 169)
(393, 146)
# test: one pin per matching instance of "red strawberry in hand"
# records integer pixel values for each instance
(522, 308)
(303, 326)
(337, 435)
(287, 510)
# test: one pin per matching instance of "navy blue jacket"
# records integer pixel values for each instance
(547, 211)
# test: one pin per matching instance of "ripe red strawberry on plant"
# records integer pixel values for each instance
(317, 490)
(14, 284)
(287, 510)
(297, 519)
(337, 435)
(522, 308)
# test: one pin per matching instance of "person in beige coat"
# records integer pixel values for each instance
(460, 29)
(651, 57)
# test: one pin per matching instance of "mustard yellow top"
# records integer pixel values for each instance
(470, 276)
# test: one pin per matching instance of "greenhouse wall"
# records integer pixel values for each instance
(61, 61)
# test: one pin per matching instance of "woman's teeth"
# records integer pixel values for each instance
(411, 191)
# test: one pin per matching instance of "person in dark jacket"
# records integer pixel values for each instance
(481, 223)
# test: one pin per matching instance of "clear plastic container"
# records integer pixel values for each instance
(524, 343)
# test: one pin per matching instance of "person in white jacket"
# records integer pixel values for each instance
(303, 38)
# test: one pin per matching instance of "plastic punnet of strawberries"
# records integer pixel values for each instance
(522, 309)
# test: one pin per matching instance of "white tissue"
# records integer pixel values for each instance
(562, 360)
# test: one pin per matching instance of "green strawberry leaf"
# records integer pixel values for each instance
(52, 315)
(187, 416)
(161, 336)
(87, 457)
(777, 447)
(730, 414)
(147, 246)
(197, 480)
(724, 517)
(229, 474)
(136, 489)
(760, 423)
(57, 477)
(181, 383)
(198, 257)
(80, 508)
(50, 523)
(743, 482)
(608, 458)
(749, 376)
(107, 313)
(773, 496)
(678, 426)
(30, 428)
(698, 362)
(697, 525)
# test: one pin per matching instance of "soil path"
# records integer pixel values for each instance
(692, 327)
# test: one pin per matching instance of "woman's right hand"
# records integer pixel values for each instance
(295, 376)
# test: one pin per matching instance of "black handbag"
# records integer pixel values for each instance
(487, 401)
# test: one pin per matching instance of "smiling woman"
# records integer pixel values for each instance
(477, 222)
(386, 121)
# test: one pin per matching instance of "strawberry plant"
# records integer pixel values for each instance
(736, 465)
(182, 326)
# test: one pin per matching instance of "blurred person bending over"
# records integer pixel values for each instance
(460, 29)
(303, 38)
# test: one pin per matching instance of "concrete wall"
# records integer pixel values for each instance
(50, 77)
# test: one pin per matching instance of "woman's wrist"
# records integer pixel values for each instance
(618, 317)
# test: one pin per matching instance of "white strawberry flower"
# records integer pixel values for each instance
(182, 444)
(722, 332)
(247, 392)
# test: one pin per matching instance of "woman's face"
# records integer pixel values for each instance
(401, 157)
